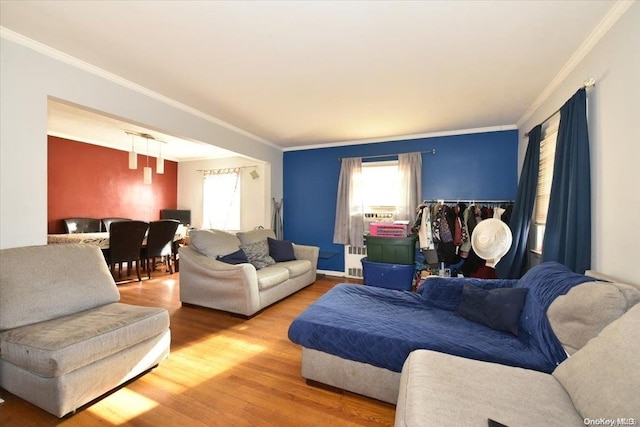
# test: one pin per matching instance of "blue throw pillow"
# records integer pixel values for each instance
(281, 250)
(238, 257)
(498, 309)
(446, 292)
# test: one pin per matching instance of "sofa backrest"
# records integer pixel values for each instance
(39, 283)
(214, 243)
(257, 235)
(603, 377)
(586, 309)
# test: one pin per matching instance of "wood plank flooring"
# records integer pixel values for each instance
(222, 371)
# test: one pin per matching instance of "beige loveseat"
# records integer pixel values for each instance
(599, 384)
(64, 337)
(239, 288)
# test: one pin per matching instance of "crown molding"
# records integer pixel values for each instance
(404, 137)
(589, 43)
(85, 66)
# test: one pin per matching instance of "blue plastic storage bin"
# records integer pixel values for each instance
(387, 275)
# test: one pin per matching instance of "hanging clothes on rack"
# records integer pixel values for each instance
(447, 227)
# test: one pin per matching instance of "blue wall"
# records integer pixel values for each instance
(481, 166)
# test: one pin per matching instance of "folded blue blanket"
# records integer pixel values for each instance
(382, 326)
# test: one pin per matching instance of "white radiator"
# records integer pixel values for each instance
(352, 264)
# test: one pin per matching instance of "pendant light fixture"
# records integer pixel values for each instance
(160, 160)
(147, 170)
(133, 156)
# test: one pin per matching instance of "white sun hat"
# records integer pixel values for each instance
(491, 240)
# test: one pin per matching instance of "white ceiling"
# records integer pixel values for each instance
(72, 122)
(301, 73)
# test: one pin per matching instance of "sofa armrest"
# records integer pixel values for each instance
(310, 253)
(211, 283)
(446, 292)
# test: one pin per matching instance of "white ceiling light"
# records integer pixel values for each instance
(133, 156)
(147, 170)
(160, 160)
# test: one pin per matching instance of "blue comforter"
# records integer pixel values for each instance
(382, 326)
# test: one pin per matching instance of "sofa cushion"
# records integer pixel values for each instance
(280, 250)
(238, 257)
(257, 235)
(296, 268)
(57, 347)
(39, 283)
(213, 242)
(271, 276)
(258, 254)
(586, 309)
(439, 389)
(603, 377)
(498, 309)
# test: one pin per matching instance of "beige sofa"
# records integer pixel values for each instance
(241, 289)
(64, 337)
(598, 325)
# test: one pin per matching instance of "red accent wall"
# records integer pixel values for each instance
(91, 181)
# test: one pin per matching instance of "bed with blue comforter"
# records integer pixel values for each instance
(380, 327)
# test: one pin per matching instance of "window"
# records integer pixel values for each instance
(545, 176)
(380, 182)
(221, 199)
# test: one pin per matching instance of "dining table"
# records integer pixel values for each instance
(101, 239)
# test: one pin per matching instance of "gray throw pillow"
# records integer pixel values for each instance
(258, 254)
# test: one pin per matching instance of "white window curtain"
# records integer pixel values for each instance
(221, 199)
(349, 223)
(410, 187)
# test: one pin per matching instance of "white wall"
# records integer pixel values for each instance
(255, 193)
(27, 79)
(614, 120)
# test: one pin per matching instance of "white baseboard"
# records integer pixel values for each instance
(331, 273)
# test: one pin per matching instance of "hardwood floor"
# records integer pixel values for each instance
(222, 371)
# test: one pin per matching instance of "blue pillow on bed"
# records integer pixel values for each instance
(238, 257)
(498, 309)
(446, 293)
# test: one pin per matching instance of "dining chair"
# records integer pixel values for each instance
(125, 245)
(81, 225)
(106, 222)
(160, 243)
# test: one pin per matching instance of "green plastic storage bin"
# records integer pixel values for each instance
(394, 250)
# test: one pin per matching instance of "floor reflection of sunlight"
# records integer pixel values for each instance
(169, 283)
(122, 406)
(185, 368)
(209, 357)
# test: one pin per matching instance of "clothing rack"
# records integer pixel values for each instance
(468, 202)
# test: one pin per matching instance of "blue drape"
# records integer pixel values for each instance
(567, 236)
(513, 264)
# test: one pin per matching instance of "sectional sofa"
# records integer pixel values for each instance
(357, 338)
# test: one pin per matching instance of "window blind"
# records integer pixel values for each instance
(545, 171)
